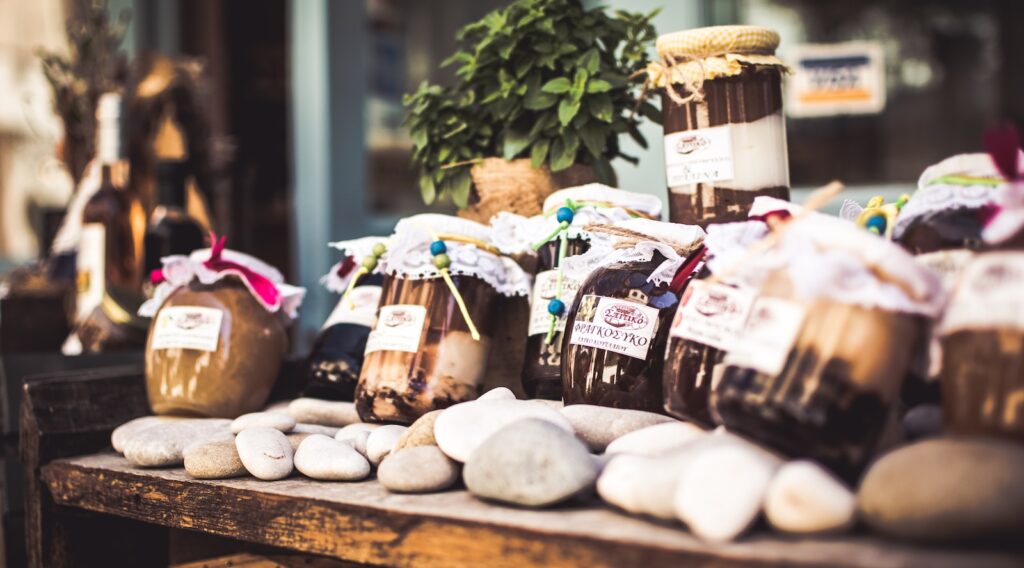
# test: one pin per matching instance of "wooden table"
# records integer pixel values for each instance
(364, 523)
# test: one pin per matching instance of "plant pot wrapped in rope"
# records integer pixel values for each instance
(540, 80)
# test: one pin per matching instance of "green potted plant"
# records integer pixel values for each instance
(543, 92)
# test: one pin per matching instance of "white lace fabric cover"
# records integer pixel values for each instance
(931, 197)
(763, 205)
(727, 245)
(665, 238)
(357, 250)
(531, 229)
(831, 258)
(181, 270)
(409, 257)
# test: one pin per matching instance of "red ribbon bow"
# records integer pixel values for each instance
(261, 286)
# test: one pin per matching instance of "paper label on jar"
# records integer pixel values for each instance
(621, 326)
(699, 156)
(948, 263)
(90, 267)
(398, 328)
(768, 336)
(988, 295)
(545, 286)
(359, 308)
(712, 314)
(187, 327)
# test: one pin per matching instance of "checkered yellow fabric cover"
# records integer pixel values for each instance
(691, 56)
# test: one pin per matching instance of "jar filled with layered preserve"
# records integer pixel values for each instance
(725, 133)
(429, 346)
(710, 317)
(942, 223)
(558, 234)
(218, 334)
(617, 328)
(982, 331)
(334, 362)
(827, 343)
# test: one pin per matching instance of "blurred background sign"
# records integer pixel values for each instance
(835, 79)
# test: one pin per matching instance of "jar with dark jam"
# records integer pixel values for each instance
(614, 354)
(822, 357)
(542, 369)
(725, 132)
(942, 223)
(587, 205)
(708, 320)
(424, 352)
(332, 369)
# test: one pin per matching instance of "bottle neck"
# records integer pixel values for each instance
(171, 177)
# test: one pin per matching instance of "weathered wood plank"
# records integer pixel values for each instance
(70, 414)
(362, 522)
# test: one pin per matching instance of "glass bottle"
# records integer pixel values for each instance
(171, 230)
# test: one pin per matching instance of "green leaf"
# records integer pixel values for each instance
(427, 189)
(590, 60)
(459, 189)
(567, 109)
(601, 107)
(598, 86)
(557, 86)
(515, 142)
(604, 172)
(637, 136)
(419, 137)
(593, 137)
(650, 112)
(563, 152)
(539, 152)
(579, 84)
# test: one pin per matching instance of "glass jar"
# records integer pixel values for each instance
(942, 223)
(567, 213)
(213, 351)
(421, 355)
(334, 362)
(982, 338)
(725, 132)
(218, 334)
(707, 322)
(429, 346)
(542, 370)
(822, 357)
(614, 354)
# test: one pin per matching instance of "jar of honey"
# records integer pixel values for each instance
(218, 335)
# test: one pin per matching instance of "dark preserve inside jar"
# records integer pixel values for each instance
(334, 363)
(595, 375)
(690, 369)
(542, 370)
(831, 399)
(945, 229)
(753, 96)
(443, 367)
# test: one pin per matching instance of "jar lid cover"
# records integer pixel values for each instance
(673, 234)
(447, 224)
(964, 181)
(210, 265)
(718, 40)
(643, 203)
(835, 258)
(356, 251)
